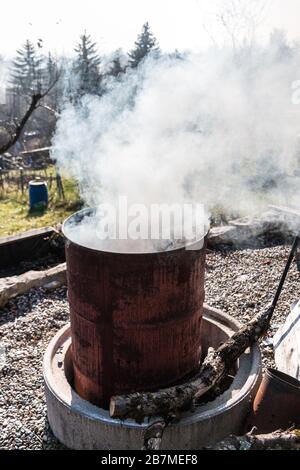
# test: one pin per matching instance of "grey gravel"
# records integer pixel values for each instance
(242, 283)
(27, 324)
(238, 282)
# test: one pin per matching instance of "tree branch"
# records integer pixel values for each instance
(18, 131)
(35, 99)
(181, 397)
(48, 108)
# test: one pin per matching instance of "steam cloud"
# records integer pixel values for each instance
(207, 128)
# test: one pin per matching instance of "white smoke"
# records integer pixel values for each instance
(3, 79)
(208, 128)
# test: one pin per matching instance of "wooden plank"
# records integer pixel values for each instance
(37, 232)
(40, 150)
(287, 344)
(13, 286)
(24, 246)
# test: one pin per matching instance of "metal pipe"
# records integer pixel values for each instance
(283, 276)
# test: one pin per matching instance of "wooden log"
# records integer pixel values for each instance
(181, 397)
(13, 286)
(279, 440)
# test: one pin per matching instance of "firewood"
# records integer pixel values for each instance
(11, 287)
(180, 397)
(281, 440)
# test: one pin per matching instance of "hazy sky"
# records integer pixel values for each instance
(115, 23)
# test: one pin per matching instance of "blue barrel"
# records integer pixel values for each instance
(38, 194)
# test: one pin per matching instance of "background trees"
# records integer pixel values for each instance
(144, 44)
(87, 67)
(118, 66)
(25, 77)
(26, 70)
(31, 71)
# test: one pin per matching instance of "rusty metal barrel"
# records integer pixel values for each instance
(277, 403)
(135, 317)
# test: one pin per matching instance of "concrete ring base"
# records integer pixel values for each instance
(80, 425)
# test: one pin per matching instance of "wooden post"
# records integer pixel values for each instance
(22, 180)
(60, 187)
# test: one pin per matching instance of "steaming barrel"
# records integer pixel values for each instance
(38, 194)
(135, 318)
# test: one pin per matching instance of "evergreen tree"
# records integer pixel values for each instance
(86, 67)
(117, 67)
(279, 46)
(50, 76)
(25, 76)
(144, 44)
(51, 71)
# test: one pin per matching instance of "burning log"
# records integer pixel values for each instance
(216, 364)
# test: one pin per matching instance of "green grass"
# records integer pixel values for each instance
(14, 208)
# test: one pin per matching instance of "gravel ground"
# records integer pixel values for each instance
(238, 282)
(241, 283)
(27, 325)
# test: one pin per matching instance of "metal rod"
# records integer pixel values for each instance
(284, 275)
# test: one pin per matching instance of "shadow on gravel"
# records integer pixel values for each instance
(22, 305)
(258, 243)
(49, 440)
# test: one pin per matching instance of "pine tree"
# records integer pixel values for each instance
(51, 71)
(25, 76)
(86, 67)
(280, 48)
(50, 77)
(144, 44)
(117, 67)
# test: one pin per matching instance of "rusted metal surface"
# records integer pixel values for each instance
(277, 403)
(135, 319)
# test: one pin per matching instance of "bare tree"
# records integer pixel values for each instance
(239, 21)
(35, 102)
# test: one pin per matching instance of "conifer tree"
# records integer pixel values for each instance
(117, 67)
(26, 75)
(51, 71)
(52, 74)
(86, 66)
(144, 44)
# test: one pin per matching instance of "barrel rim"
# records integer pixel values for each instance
(37, 183)
(80, 214)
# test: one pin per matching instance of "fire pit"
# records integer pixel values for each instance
(81, 425)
